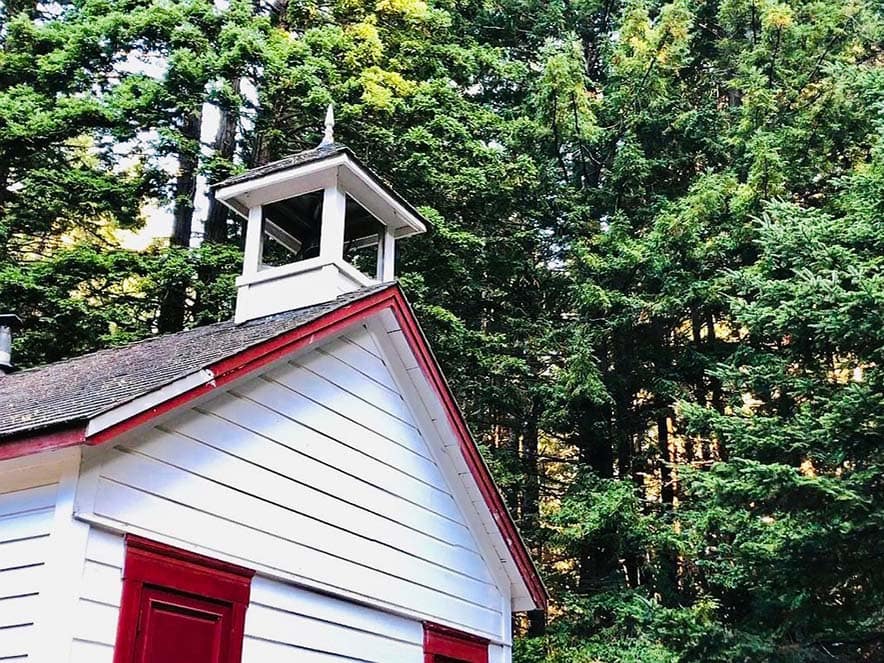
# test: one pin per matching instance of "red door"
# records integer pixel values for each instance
(179, 607)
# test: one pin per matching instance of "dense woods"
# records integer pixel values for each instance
(655, 273)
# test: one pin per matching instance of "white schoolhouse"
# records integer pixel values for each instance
(296, 485)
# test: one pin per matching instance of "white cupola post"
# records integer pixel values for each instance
(332, 225)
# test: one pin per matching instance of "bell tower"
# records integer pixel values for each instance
(319, 224)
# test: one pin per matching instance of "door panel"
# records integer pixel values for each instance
(177, 628)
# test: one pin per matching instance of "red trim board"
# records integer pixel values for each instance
(257, 356)
(28, 444)
(453, 645)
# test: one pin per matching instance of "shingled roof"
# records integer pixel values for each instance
(291, 161)
(78, 389)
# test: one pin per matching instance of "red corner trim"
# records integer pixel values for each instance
(452, 644)
(32, 444)
(152, 564)
(477, 466)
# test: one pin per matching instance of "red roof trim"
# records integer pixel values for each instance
(255, 357)
(252, 359)
(43, 441)
(493, 500)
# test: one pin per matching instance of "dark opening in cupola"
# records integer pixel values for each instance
(295, 226)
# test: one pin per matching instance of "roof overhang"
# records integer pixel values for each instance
(148, 408)
(338, 168)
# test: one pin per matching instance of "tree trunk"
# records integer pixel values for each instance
(667, 487)
(173, 307)
(224, 148)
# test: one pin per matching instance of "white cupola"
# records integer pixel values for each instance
(333, 226)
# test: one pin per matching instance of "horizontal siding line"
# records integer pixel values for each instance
(377, 407)
(22, 595)
(349, 627)
(331, 355)
(87, 599)
(279, 643)
(331, 495)
(304, 545)
(437, 565)
(89, 641)
(424, 507)
(350, 419)
(362, 346)
(25, 512)
(333, 439)
(22, 625)
(32, 537)
(36, 486)
(98, 562)
(18, 567)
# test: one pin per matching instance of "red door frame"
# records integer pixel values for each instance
(441, 641)
(152, 564)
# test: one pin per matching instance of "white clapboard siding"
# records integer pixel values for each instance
(364, 358)
(98, 607)
(317, 470)
(247, 416)
(285, 623)
(25, 525)
(267, 482)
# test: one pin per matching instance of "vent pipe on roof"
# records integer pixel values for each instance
(8, 322)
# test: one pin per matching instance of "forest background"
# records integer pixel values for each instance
(654, 276)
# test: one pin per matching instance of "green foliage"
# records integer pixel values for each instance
(653, 275)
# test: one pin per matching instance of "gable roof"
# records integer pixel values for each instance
(81, 388)
(139, 377)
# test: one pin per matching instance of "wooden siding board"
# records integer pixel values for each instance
(15, 642)
(274, 484)
(18, 611)
(23, 551)
(91, 652)
(332, 467)
(348, 456)
(25, 524)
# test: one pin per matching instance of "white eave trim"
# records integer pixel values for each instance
(226, 193)
(138, 405)
(353, 180)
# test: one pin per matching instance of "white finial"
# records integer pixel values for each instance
(328, 138)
